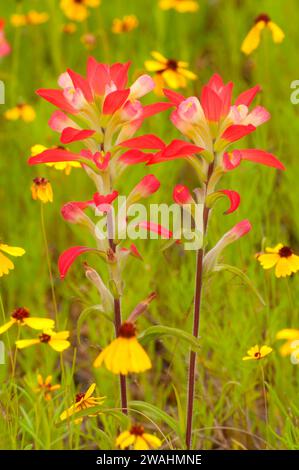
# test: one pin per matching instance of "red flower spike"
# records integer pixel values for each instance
(155, 108)
(234, 199)
(119, 74)
(57, 98)
(148, 141)
(236, 132)
(233, 159)
(248, 96)
(107, 199)
(173, 96)
(54, 156)
(67, 258)
(115, 100)
(211, 104)
(82, 83)
(182, 195)
(134, 156)
(69, 134)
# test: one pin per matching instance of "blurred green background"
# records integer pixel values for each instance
(229, 408)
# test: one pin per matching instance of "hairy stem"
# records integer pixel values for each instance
(196, 319)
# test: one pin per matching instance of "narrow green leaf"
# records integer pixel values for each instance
(154, 332)
(84, 314)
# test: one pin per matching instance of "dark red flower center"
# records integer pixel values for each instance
(79, 396)
(39, 181)
(20, 314)
(257, 355)
(285, 252)
(44, 338)
(127, 330)
(137, 430)
(263, 17)
(172, 64)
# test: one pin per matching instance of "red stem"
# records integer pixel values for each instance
(195, 332)
(122, 378)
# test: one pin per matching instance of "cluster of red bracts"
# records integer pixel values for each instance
(105, 115)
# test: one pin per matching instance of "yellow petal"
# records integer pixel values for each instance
(153, 441)
(25, 343)
(5, 265)
(27, 113)
(127, 442)
(36, 149)
(187, 73)
(12, 114)
(140, 361)
(283, 268)
(159, 57)
(277, 33)
(61, 335)
(7, 325)
(12, 250)
(288, 333)
(39, 323)
(140, 444)
(174, 79)
(252, 39)
(265, 350)
(275, 249)
(268, 260)
(153, 66)
(69, 412)
(48, 380)
(90, 391)
(59, 344)
(122, 437)
(287, 348)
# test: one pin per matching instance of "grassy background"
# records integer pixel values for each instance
(229, 408)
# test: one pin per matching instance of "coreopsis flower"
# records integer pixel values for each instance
(77, 10)
(31, 18)
(169, 72)
(5, 263)
(125, 24)
(256, 353)
(291, 346)
(45, 387)
(69, 28)
(137, 439)
(56, 340)
(22, 111)
(253, 38)
(125, 354)
(21, 316)
(282, 258)
(41, 190)
(5, 48)
(182, 6)
(60, 166)
(83, 401)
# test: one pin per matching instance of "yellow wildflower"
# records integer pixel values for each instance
(282, 257)
(182, 6)
(253, 38)
(77, 10)
(21, 316)
(256, 353)
(22, 111)
(5, 263)
(137, 439)
(82, 402)
(125, 24)
(46, 387)
(57, 340)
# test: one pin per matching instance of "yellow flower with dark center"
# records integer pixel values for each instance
(256, 353)
(170, 72)
(253, 38)
(56, 340)
(125, 354)
(182, 6)
(291, 346)
(31, 18)
(60, 166)
(25, 112)
(137, 439)
(45, 386)
(77, 10)
(83, 401)
(5, 263)
(125, 24)
(21, 316)
(41, 190)
(282, 257)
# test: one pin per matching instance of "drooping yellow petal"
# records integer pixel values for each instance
(253, 38)
(294, 263)
(12, 250)
(39, 323)
(140, 361)
(283, 268)
(122, 437)
(27, 113)
(7, 325)
(5, 265)
(12, 114)
(286, 349)
(69, 412)
(153, 441)
(174, 79)
(277, 33)
(140, 444)
(25, 343)
(127, 442)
